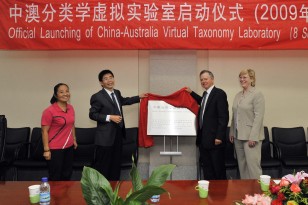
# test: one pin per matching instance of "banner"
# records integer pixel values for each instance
(150, 24)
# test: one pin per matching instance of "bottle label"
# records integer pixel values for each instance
(45, 197)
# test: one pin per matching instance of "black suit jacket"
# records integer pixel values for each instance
(101, 106)
(215, 119)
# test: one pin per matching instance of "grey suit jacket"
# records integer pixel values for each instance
(248, 113)
(101, 106)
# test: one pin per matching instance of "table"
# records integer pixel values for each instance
(221, 192)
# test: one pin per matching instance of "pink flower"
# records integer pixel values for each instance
(284, 182)
(291, 189)
(249, 199)
(297, 178)
(257, 199)
(295, 188)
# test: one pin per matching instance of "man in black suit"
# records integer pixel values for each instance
(106, 110)
(212, 120)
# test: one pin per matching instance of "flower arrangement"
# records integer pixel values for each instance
(257, 199)
(291, 190)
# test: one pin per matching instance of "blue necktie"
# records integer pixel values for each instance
(202, 109)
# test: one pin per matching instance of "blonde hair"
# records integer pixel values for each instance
(251, 74)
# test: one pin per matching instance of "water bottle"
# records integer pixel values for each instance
(155, 198)
(44, 192)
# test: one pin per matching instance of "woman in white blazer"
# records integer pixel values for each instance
(247, 130)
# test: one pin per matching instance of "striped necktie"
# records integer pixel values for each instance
(115, 104)
(202, 109)
(117, 110)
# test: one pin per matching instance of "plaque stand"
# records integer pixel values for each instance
(171, 153)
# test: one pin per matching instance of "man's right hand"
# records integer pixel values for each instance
(188, 90)
(116, 118)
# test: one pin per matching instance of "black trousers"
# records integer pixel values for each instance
(60, 166)
(213, 163)
(108, 158)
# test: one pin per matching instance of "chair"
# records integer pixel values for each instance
(13, 149)
(3, 127)
(292, 147)
(130, 148)
(270, 159)
(84, 154)
(15, 137)
(34, 166)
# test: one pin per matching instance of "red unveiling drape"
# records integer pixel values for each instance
(180, 98)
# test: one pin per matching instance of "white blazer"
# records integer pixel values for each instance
(247, 117)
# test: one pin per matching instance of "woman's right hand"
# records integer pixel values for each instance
(47, 155)
(231, 138)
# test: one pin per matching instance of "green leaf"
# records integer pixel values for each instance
(144, 194)
(97, 190)
(129, 193)
(135, 176)
(160, 175)
(116, 199)
(133, 203)
(95, 187)
(119, 201)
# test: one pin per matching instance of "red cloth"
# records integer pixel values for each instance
(180, 98)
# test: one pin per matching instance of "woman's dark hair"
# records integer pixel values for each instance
(55, 91)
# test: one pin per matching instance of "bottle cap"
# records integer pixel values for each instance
(44, 179)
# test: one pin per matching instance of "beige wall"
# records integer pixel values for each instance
(280, 75)
(27, 79)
